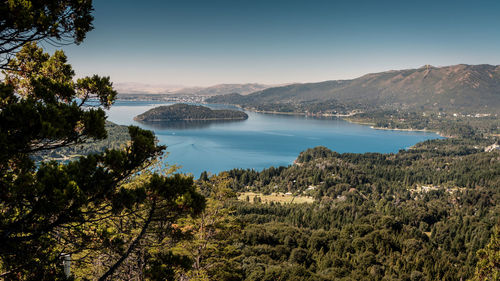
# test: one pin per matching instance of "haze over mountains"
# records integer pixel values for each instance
(143, 88)
(467, 87)
(223, 89)
(220, 89)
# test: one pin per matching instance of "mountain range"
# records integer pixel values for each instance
(220, 89)
(144, 88)
(465, 87)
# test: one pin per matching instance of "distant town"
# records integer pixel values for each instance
(185, 98)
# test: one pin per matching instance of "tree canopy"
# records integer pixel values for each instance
(110, 201)
(58, 22)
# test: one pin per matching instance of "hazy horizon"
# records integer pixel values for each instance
(175, 87)
(200, 44)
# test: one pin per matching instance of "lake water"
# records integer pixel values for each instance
(262, 141)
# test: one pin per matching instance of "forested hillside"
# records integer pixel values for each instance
(420, 214)
(458, 87)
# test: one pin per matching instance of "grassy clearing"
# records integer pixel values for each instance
(275, 197)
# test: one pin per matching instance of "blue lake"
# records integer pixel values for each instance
(262, 141)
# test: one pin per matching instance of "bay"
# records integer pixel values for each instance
(261, 141)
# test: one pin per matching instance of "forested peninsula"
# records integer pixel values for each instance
(187, 112)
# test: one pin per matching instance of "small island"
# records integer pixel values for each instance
(187, 112)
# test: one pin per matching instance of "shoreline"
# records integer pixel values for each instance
(205, 119)
(351, 114)
(410, 130)
(372, 125)
(301, 113)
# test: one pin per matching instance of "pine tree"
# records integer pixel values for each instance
(50, 208)
(488, 266)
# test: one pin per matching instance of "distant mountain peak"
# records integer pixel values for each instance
(461, 87)
(427, 66)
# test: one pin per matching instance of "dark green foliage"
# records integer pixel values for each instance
(158, 270)
(488, 266)
(315, 153)
(180, 111)
(446, 123)
(36, 202)
(447, 162)
(108, 201)
(59, 21)
(373, 218)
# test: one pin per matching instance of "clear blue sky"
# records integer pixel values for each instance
(233, 41)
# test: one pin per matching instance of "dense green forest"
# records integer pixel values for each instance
(420, 214)
(447, 124)
(181, 111)
(426, 213)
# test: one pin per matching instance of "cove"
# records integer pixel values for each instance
(261, 141)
